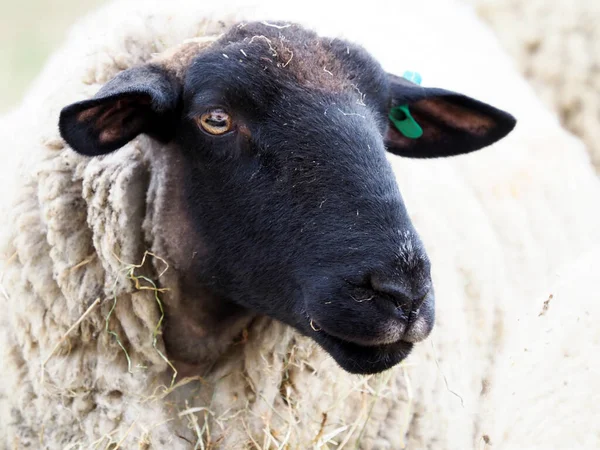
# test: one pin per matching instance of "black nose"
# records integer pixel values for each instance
(405, 294)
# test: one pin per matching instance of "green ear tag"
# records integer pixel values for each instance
(405, 122)
(401, 116)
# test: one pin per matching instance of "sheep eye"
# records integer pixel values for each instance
(215, 121)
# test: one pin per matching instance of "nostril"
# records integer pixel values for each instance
(407, 298)
(397, 293)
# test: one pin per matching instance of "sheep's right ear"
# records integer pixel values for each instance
(143, 99)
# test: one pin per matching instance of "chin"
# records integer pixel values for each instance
(363, 359)
(385, 341)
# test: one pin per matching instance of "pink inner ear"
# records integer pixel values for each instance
(111, 124)
(122, 124)
(431, 131)
(453, 115)
(110, 135)
(117, 119)
(88, 114)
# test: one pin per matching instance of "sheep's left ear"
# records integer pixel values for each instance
(439, 122)
(144, 99)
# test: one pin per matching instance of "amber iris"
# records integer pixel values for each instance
(215, 121)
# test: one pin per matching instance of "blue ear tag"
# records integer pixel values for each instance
(401, 117)
(414, 77)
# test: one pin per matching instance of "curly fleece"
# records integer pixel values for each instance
(82, 358)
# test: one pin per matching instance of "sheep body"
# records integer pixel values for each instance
(548, 367)
(496, 224)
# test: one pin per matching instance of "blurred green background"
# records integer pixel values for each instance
(29, 31)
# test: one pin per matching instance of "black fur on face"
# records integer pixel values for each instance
(282, 136)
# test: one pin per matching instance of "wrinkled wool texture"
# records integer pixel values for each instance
(83, 363)
(557, 47)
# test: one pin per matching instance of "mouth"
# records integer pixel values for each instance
(362, 359)
(369, 346)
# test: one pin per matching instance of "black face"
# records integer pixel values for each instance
(283, 137)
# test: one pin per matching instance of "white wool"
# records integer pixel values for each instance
(557, 47)
(549, 375)
(497, 224)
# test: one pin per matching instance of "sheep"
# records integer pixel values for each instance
(249, 168)
(84, 360)
(557, 50)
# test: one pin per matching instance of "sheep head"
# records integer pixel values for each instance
(282, 202)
